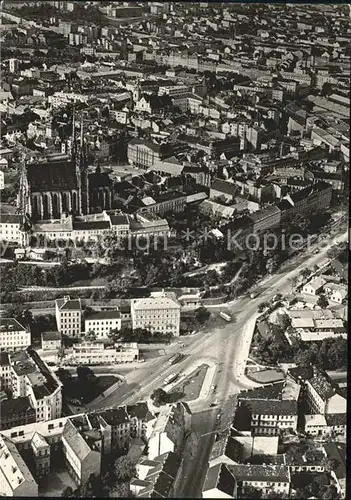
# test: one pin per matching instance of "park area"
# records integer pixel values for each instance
(86, 386)
(189, 389)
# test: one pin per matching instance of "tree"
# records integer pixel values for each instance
(322, 301)
(263, 306)
(330, 493)
(284, 321)
(64, 375)
(305, 273)
(159, 397)
(88, 489)
(120, 490)
(202, 315)
(330, 464)
(67, 492)
(251, 492)
(85, 374)
(90, 336)
(337, 353)
(308, 357)
(124, 469)
(327, 89)
(293, 282)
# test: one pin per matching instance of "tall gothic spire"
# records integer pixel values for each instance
(73, 136)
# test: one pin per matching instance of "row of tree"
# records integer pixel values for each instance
(329, 354)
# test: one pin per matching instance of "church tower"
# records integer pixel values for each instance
(82, 164)
(79, 156)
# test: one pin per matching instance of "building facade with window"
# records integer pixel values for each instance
(13, 336)
(68, 314)
(157, 314)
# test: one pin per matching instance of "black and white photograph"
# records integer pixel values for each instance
(174, 244)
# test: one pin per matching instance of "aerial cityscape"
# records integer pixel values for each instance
(174, 187)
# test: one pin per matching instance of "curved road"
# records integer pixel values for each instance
(228, 344)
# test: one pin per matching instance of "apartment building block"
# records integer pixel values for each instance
(103, 322)
(270, 409)
(41, 454)
(168, 432)
(219, 483)
(157, 314)
(12, 229)
(268, 478)
(5, 371)
(89, 353)
(82, 448)
(156, 478)
(32, 378)
(13, 336)
(14, 412)
(314, 198)
(16, 479)
(68, 314)
(322, 395)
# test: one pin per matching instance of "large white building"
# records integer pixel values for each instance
(16, 479)
(103, 322)
(13, 336)
(157, 314)
(99, 354)
(32, 378)
(12, 229)
(69, 316)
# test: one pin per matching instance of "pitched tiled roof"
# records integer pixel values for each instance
(140, 411)
(161, 477)
(10, 324)
(52, 176)
(17, 406)
(221, 478)
(224, 187)
(118, 220)
(89, 225)
(336, 419)
(302, 373)
(103, 315)
(322, 385)
(75, 441)
(69, 304)
(274, 473)
(115, 416)
(272, 407)
(337, 452)
(228, 447)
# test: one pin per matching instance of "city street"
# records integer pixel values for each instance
(227, 344)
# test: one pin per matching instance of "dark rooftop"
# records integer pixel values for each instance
(219, 477)
(52, 176)
(96, 315)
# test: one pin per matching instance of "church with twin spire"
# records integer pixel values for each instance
(58, 185)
